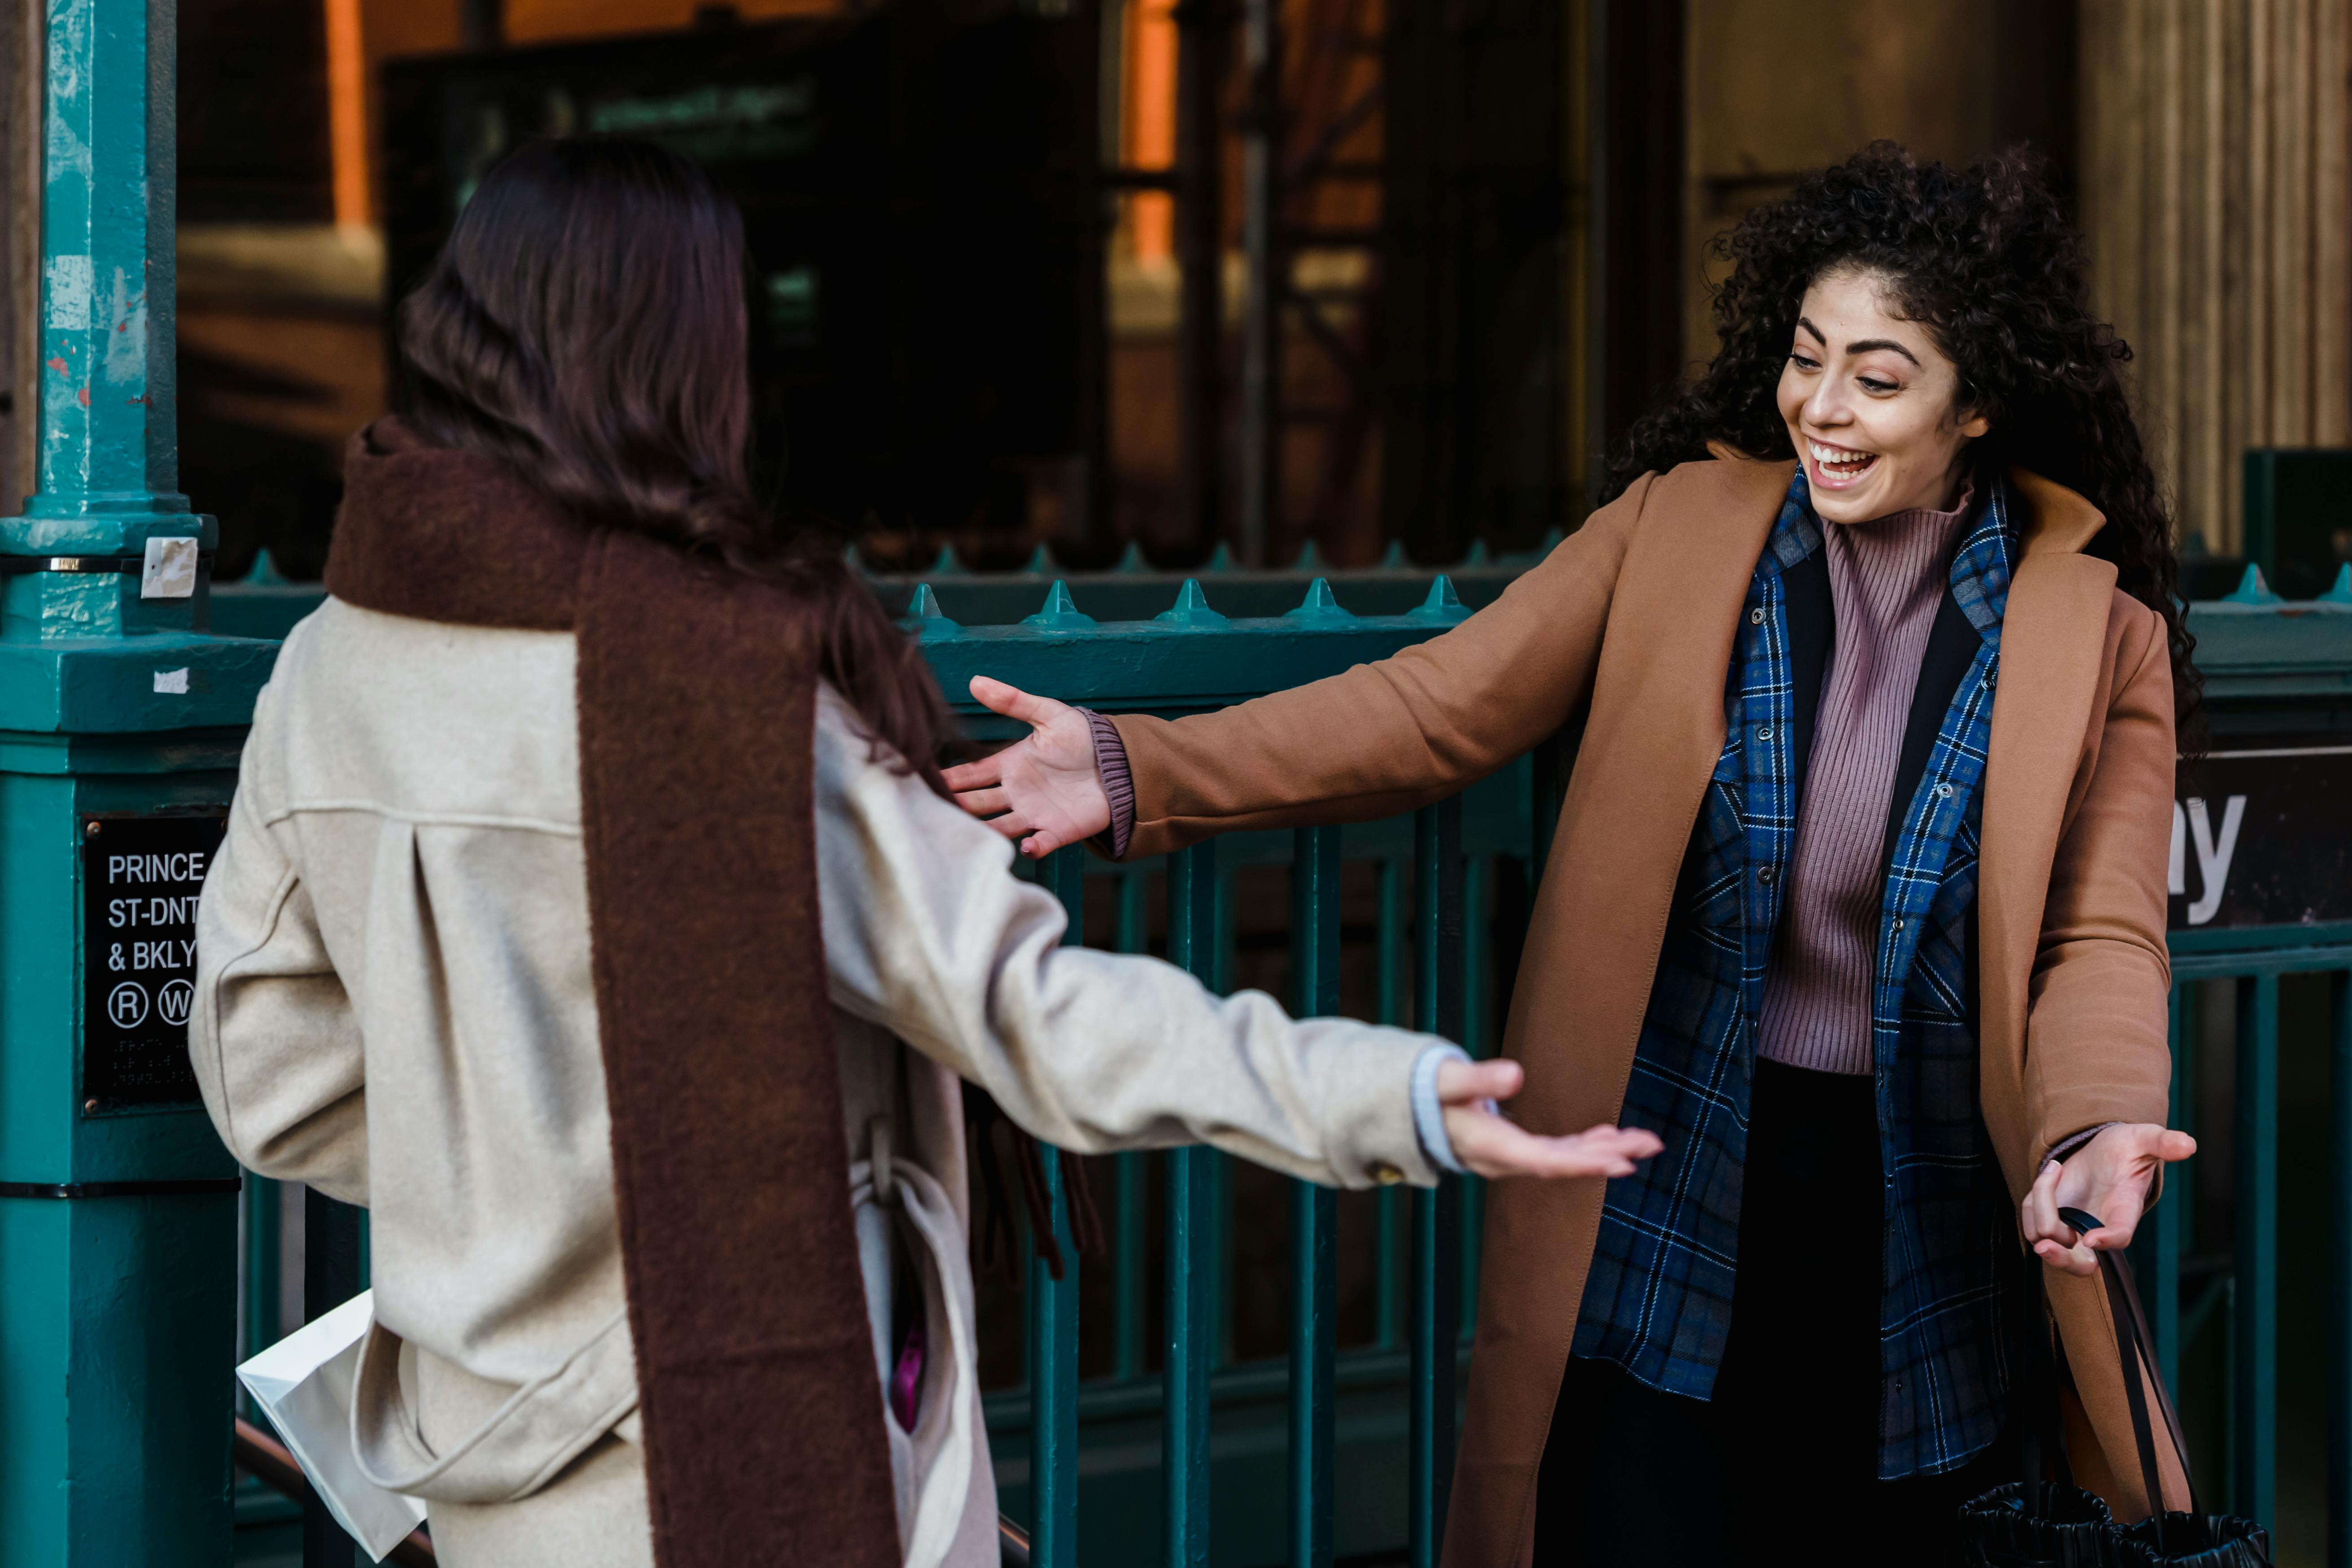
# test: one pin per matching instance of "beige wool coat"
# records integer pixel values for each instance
(1630, 624)
(393, 1005)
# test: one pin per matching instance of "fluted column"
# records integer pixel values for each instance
(2217, 199)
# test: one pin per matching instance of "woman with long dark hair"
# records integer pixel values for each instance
(1857, 898)
(590, 910)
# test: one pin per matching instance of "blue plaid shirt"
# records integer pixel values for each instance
(1658, 1300)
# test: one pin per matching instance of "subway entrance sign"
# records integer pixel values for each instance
(2262, 836)
(140, 877)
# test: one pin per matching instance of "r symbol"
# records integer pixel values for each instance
(127, 1004)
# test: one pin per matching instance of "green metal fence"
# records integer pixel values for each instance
(1178, 1453)
(1306, 1452)
(2226, 1287)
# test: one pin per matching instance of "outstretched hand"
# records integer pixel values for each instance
(1043, 791)
(1494, 1146)
(2107, 1177)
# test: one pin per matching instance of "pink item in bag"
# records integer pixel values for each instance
(907, 1379)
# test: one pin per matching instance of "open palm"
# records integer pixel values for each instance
(2108, 1178)
(1042, 792)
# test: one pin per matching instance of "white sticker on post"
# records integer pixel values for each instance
(173, 682)
(65, 301)
(170, 570)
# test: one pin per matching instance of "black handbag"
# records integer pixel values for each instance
(2034, 1524)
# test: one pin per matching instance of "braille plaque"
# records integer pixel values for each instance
(139, 879)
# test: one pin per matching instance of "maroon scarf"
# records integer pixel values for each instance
(696, 699)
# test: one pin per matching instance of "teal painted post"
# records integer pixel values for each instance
(2170, 1217)
(118, 1220)
(2257, 1248)
(1388, 1242)
(265, 1246)
(1191, 1309)
(1052, 1313)
(2339, 1256)
(1314, 1212)
(1477, 979)
(1437, 954)
(1477, 1005)
(2229, 1379)
(1133, 1178)
(1219, 1248)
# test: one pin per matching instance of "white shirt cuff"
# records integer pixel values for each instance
(1428, 1113)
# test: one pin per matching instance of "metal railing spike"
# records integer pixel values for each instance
(1221, 559)
(945, 564)
(925, 618)
(1320, 604)
(1478, 556)
(1443, 604)
(1192, 609)
(2338, 597)
(1394, 559)
(1309, 561)
(1060, 613)
(1041, 563)
(2253, 591)
(1131, 559)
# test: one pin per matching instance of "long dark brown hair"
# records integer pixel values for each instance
(587, 323)
(1984, 258)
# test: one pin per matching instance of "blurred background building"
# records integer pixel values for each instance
(1173, 272)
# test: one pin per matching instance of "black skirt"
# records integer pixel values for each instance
(1790, 1441)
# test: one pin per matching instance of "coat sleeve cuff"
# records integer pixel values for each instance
(1118, 783)
(2073, 1142)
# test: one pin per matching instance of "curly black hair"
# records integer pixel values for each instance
(1984, 258)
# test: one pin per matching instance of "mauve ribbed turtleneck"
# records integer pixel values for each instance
(1886, 577)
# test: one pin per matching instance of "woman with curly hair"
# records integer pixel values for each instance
(1857, 898)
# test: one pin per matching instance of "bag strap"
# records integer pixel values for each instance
(2133, 1342)
(2044, 1437)
(2125, 1280)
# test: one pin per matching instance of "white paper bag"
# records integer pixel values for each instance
(304, 1382)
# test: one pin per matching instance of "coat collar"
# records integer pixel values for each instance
(2055, 520)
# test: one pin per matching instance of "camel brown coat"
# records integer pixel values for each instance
(1630, 622)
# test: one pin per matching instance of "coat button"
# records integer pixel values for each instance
(1943, 792)
(1898, 923)
(1386, 1174)
(1763, 731)
(1765, 875)
(1756, 616)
